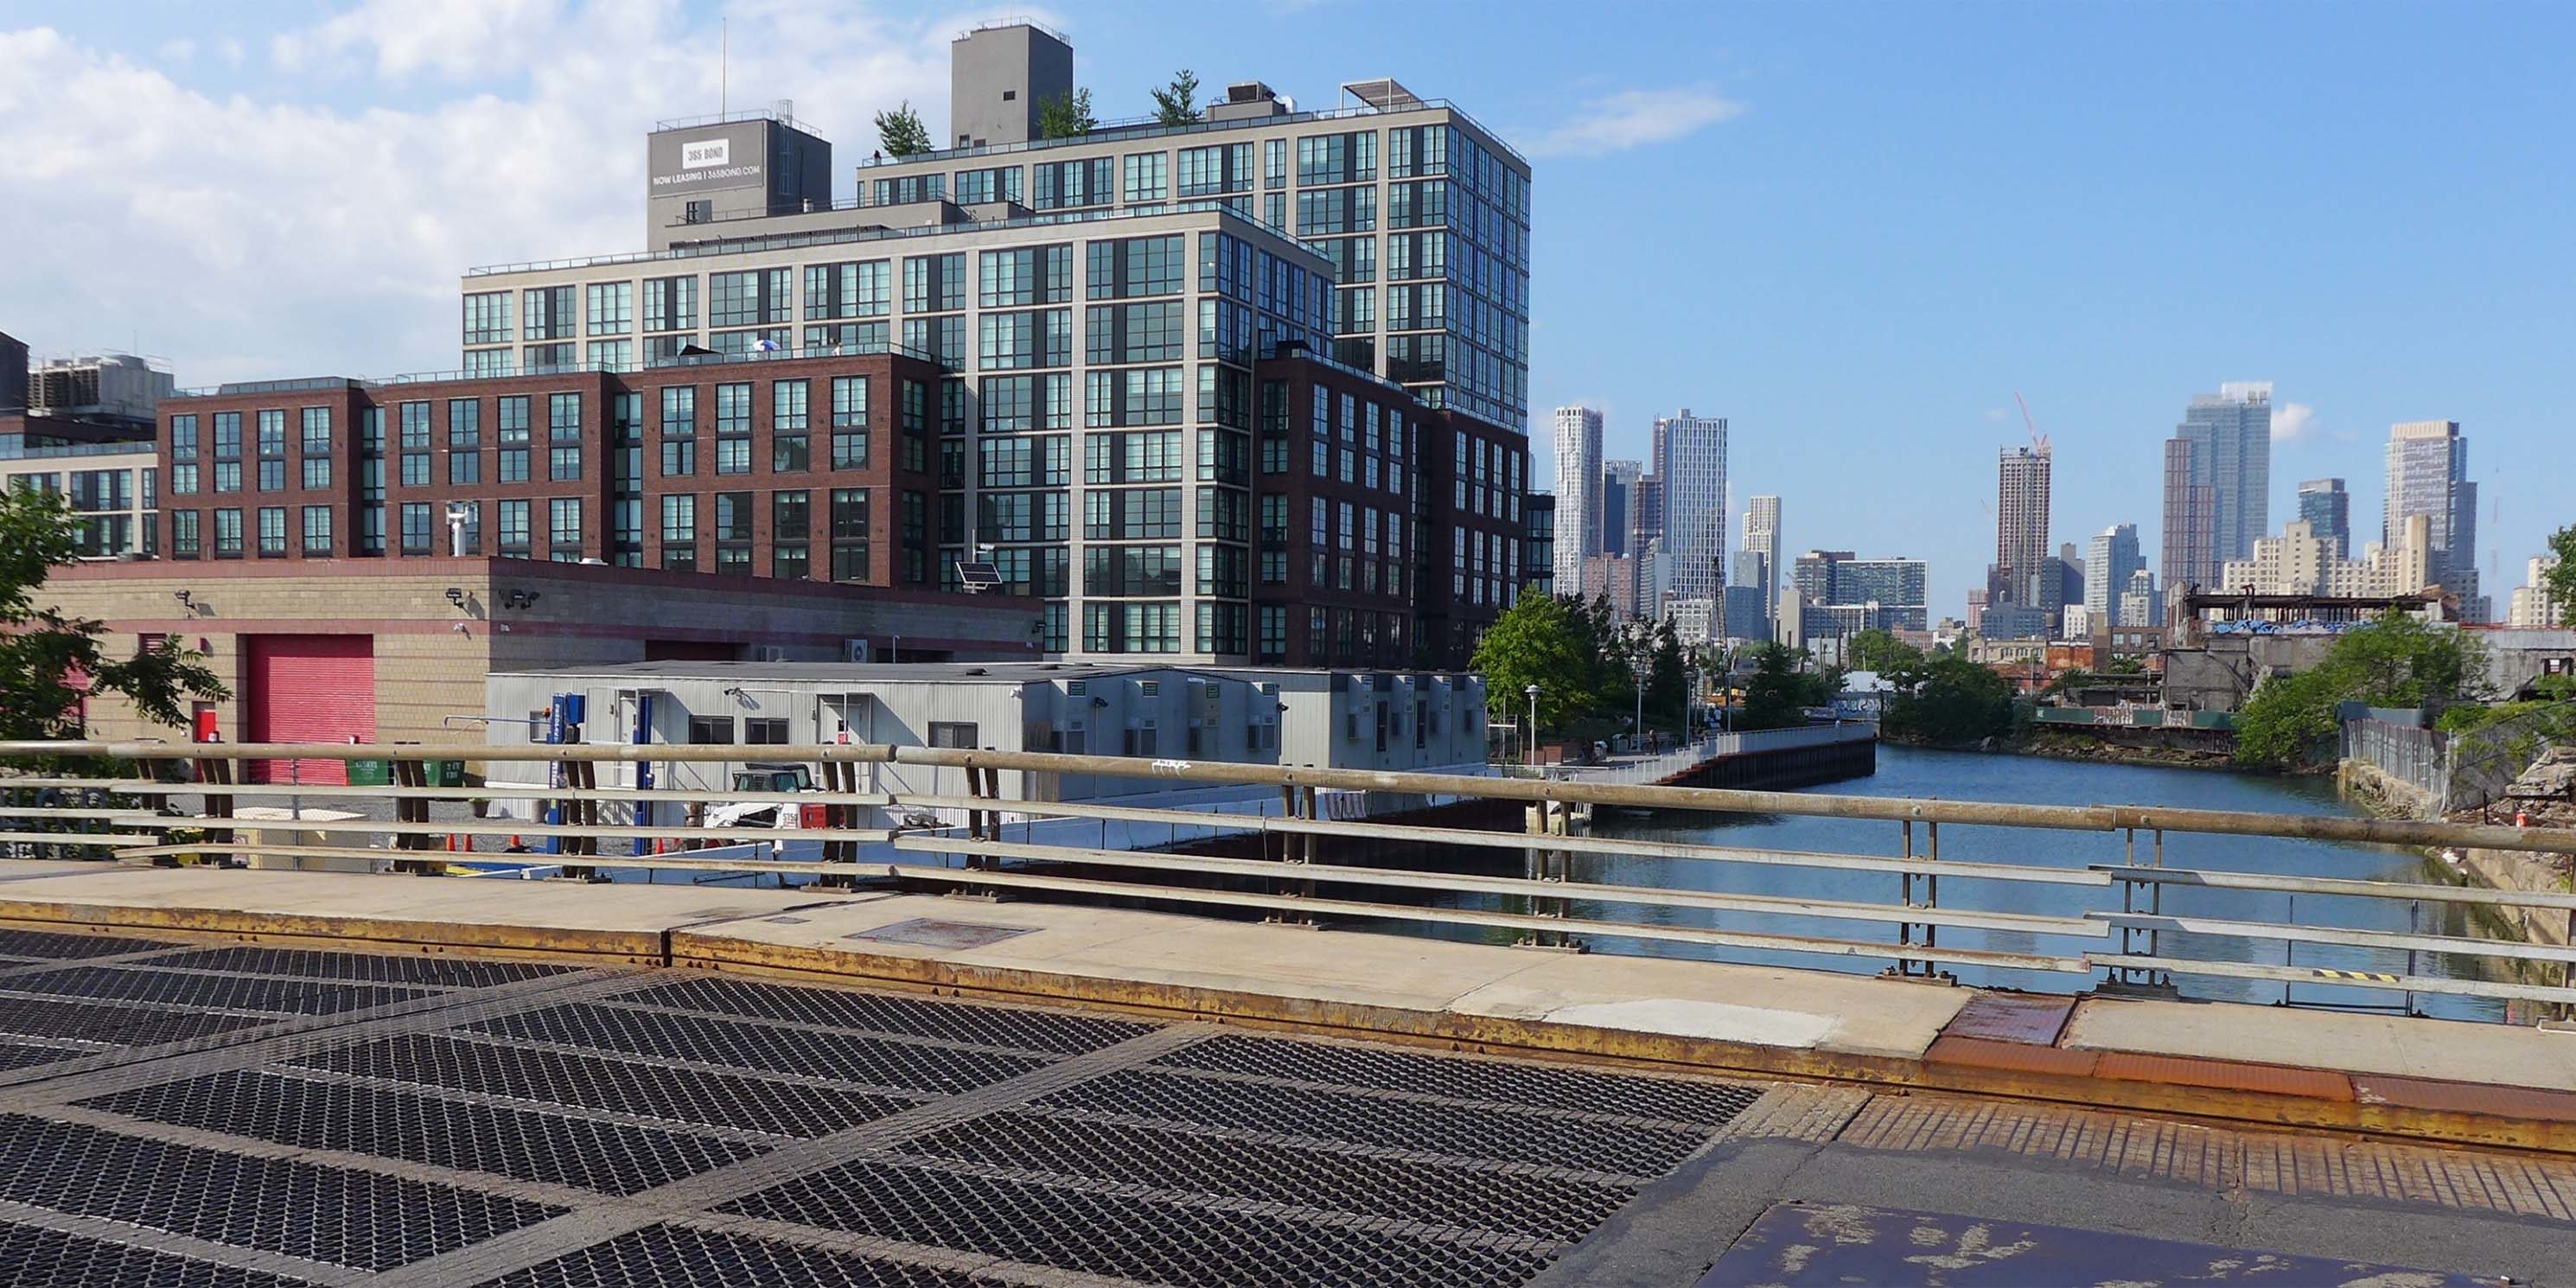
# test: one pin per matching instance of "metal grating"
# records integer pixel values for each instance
(993, 1026)
(332, 1214)
(745, 1045)
(20, 1055)
(46, 944)
(1154, 1240)
(211, 992)
(40, 1258)
(620, 1086)
(1464, 1078)
(1407, 1191)
(670, 1256)
(368, 968)
(100, 1022)
(1456, 1131)
(612, 1158)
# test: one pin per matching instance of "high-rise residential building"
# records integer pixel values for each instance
(2428, 474)
(1578, 494)
(2024, 573)
(2114, 557)
(1889, 593)
(2328, 511)
(2190, 534)
(1616, 577)
(1538, 543)
(2532, 605)
(1007, 329)
(1646, 511)
(2139, 603)
(1762, 537)
(2302, 561)
(2227, 438)
(1692, 464)
(2070, 573)
(1423, 212)
(1619, 506)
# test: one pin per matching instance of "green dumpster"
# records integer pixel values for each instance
(371, 773)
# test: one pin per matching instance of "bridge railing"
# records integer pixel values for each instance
(2111, 926)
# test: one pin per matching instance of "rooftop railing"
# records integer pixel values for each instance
(940, 817)
(781, 354)
(1138, 127)
(841, 236)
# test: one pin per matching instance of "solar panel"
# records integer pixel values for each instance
(976, 574)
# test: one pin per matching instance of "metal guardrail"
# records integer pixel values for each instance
(128, 817)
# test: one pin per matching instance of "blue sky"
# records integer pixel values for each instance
(1855, 231)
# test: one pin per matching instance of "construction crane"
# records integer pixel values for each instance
(2038, 440)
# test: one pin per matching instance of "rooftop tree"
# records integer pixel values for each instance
(1178, 103)
(900, 131)
(1065, 116)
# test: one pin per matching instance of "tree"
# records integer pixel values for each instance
(1536, 642)
(1773, 695)
(1878, 649)
(1668, 680)
(1947, 700)
(900, 131)
(42, 652)
(2559, 582)
(1178, 103)
(2396, 661)
(1066, 116)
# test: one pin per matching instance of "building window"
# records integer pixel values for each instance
(611, 308)
(228, 534)
(513, 534)
(711, 730)
(755, 297)
(272, 532)
(1145, 174)
(183, 534)
(547, 312)
(670, 304)
(788, 452)
(487, 318)
(680, 531)
(563, 529)
(415, 528)
(764, 731)
(733, 428)
(849, 520)
(790, 526)
(953, 733)
(679, 430)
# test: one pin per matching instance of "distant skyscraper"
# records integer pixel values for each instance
(2328, 510)
(2229, 440)
(1897, 586)
(2531, 604)
(1578, 494)
(1618, 506)
(2139, 604)
(2428, 474)
(2024, 571)
(1692, 464)
(2190, 513)
(1762, 537)
(2107, 569)
(1646, 511)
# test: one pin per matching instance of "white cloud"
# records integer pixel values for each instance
(1637, 117)
(455, 37)
(247, 239)
(178, 50)
(2293, 422)
(230, 50)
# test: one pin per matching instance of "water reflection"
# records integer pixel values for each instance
(1969, 776)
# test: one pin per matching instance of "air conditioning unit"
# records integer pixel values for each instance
(855, 650)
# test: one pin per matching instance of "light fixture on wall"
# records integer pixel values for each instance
(456, 596)
(187, 598)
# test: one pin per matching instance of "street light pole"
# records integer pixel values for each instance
(1529, 740)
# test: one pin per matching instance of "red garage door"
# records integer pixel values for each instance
(309, 688)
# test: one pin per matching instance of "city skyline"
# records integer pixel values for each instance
(2365, 308)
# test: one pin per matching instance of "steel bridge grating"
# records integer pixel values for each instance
(705, 1131)
(40, 1258)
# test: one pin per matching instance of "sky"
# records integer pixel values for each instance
(1855, 231)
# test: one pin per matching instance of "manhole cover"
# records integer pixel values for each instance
(930, 933)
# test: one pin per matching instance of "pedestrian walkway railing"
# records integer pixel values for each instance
(2106, 922)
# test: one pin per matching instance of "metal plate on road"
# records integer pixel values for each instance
(931, 933)
(1841, 1244)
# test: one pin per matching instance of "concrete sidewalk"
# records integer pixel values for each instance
(2429, 1079)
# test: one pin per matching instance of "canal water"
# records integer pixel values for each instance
(1904, 771)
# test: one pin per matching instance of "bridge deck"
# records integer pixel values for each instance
(538, 1102)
